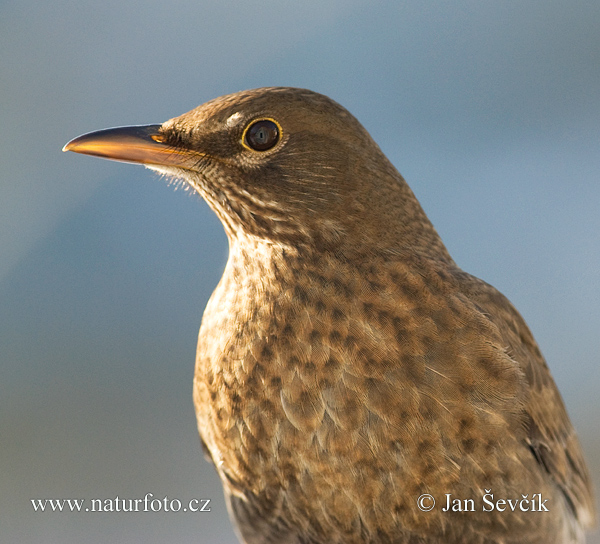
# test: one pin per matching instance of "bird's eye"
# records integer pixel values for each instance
(261, 135)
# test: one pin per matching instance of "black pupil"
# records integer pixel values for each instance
(262, 135)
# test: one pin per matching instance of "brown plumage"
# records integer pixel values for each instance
(346, 365)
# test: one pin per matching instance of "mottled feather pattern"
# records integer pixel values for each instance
(358, 369)
(345, 364)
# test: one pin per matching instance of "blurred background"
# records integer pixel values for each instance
(490, 110)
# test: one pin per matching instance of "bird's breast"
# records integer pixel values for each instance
(309, 370)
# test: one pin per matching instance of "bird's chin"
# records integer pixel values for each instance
(172, 173)
(175, 177)
(168, 171)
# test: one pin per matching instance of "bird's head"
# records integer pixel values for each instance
(283, 164)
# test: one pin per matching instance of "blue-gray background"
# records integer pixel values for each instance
(491, 110)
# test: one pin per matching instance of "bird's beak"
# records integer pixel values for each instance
(142, 144)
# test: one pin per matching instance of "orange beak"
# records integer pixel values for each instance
(142, 144)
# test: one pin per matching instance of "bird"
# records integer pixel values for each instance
(352, 384)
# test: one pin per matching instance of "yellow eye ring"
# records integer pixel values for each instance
(261, 134)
